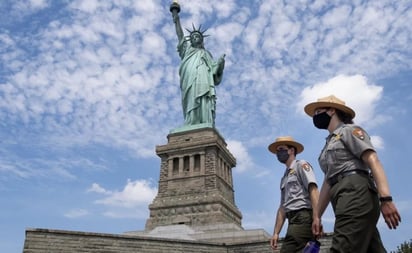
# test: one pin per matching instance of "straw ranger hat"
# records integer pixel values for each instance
(329, 101)
(285, 140)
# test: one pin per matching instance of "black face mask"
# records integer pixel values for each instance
(282, 156)
(321, 120)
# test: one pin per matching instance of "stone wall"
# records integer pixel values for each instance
(62, 241)
(53, 241)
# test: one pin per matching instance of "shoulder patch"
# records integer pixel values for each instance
(357, 132)
(306, 167)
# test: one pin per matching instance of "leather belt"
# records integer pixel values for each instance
(335, 179)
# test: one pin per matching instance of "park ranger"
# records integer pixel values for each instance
(348, 160)
(299, 197)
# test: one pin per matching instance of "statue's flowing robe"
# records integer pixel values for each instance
(199, 74)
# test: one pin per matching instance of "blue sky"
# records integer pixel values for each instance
(89, 88)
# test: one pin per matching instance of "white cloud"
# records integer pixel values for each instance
(263, 173)
(31, 5)
(6, 40)
(137, 193)
(131, 202)
(377, 142)
(39, 3)
(355, 90)
(260, 219)
(87, 6)
(337, 16)
(243, 159)
(98, 189)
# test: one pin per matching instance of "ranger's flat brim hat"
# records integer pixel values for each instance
(285, 140)
(329, 101)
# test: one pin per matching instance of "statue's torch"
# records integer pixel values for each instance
(174, 8)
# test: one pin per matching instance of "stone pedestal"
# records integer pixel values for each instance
(195, 185)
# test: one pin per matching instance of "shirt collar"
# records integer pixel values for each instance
(335, 132)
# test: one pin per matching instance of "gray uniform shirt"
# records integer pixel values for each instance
(294, 186)
(343, 150)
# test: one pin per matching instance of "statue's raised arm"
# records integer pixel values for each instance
(175, 9)
(199, 74)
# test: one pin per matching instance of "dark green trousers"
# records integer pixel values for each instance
(299, 232)
(356, 206)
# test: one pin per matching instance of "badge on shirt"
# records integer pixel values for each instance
(337, 137)
(357, 132)
(306, 167)
(291, 172)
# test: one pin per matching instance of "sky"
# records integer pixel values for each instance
(89, 88)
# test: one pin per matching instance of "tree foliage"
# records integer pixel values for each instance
(405, 247)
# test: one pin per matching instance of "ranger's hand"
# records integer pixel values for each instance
(390, 214)
(274, 241)
(317, 228)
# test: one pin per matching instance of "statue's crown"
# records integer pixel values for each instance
(198, 30)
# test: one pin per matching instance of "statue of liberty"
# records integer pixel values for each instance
(199, 74)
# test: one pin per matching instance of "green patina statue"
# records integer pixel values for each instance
(199, 74)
